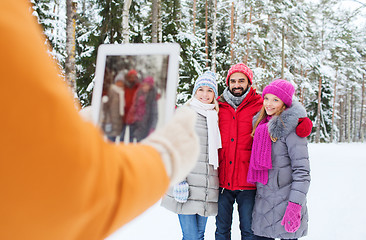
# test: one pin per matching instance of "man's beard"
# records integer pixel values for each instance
(238, 94)
(130, 84)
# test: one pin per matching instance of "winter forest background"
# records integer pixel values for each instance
(320, 46)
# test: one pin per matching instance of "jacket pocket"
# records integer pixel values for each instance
(284, 177)
(242, 167)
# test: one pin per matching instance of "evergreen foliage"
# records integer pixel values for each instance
(302, 40)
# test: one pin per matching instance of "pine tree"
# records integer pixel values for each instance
(178, 27)
(301, 41)
(87, 42)
(51, 15)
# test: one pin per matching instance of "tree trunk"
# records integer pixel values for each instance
(160, 24)
(83, 5)
(349, 114)
(341, 121)
(318, 115)
(302, 91)
(246, 57)
(363, 130)
(353, 116)
(53, 17)
(232, 34)
(213, 64)
(283, 53)
(206, 33)
(334, 109)
(70, 68)
(194, 16)
(154, 21)
(360, 133)
(125, 26)
(345, 120)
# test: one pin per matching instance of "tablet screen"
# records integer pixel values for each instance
(135, 89)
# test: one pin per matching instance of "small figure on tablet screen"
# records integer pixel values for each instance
(131, 85)
(114, 108)
(143, 114)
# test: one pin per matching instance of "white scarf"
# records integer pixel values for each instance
(213, 132)
(121, 95)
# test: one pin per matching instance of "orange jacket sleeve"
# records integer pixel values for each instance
(58, 178)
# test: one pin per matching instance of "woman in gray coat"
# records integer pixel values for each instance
(279, 166)
(195, 199)
(114, 108)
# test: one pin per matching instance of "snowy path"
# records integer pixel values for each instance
(336, 201)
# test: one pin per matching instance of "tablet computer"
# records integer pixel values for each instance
(135, 88)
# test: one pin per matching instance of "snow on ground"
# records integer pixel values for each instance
(335, 201)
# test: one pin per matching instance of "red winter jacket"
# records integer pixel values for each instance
(235, 128)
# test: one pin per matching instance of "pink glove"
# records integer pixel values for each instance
(292, 217)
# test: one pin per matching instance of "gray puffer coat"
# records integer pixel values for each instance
(203, 182)
(288, 180)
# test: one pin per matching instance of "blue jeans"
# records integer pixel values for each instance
(112, 138)
(193, 226)
(131, 131)
(224, 218)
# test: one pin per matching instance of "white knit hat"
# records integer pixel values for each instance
(119, 76)
(208, 78)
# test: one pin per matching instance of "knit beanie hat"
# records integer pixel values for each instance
(283, 89)
(240, 67)
(149, 80)
(132, 72)
(206, 79)
(119, 76)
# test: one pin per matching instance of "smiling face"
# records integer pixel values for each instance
(131, 78)
(272, 104)
(205, 94)
(120, 83)
(238, 84)
(145, 87)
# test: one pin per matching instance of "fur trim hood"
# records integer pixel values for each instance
(284, 124)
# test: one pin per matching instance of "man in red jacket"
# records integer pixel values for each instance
(238, 104)
(131, 85)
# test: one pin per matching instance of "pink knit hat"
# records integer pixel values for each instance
(283, 89)
(149, 80)
(240, 67)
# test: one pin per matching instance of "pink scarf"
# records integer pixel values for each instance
(260, 159)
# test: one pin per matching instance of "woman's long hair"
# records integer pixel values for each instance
(216, 105)
(262, 115)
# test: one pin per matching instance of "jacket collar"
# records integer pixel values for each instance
(248, 99)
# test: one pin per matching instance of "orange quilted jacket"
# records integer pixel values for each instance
(58, 178)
